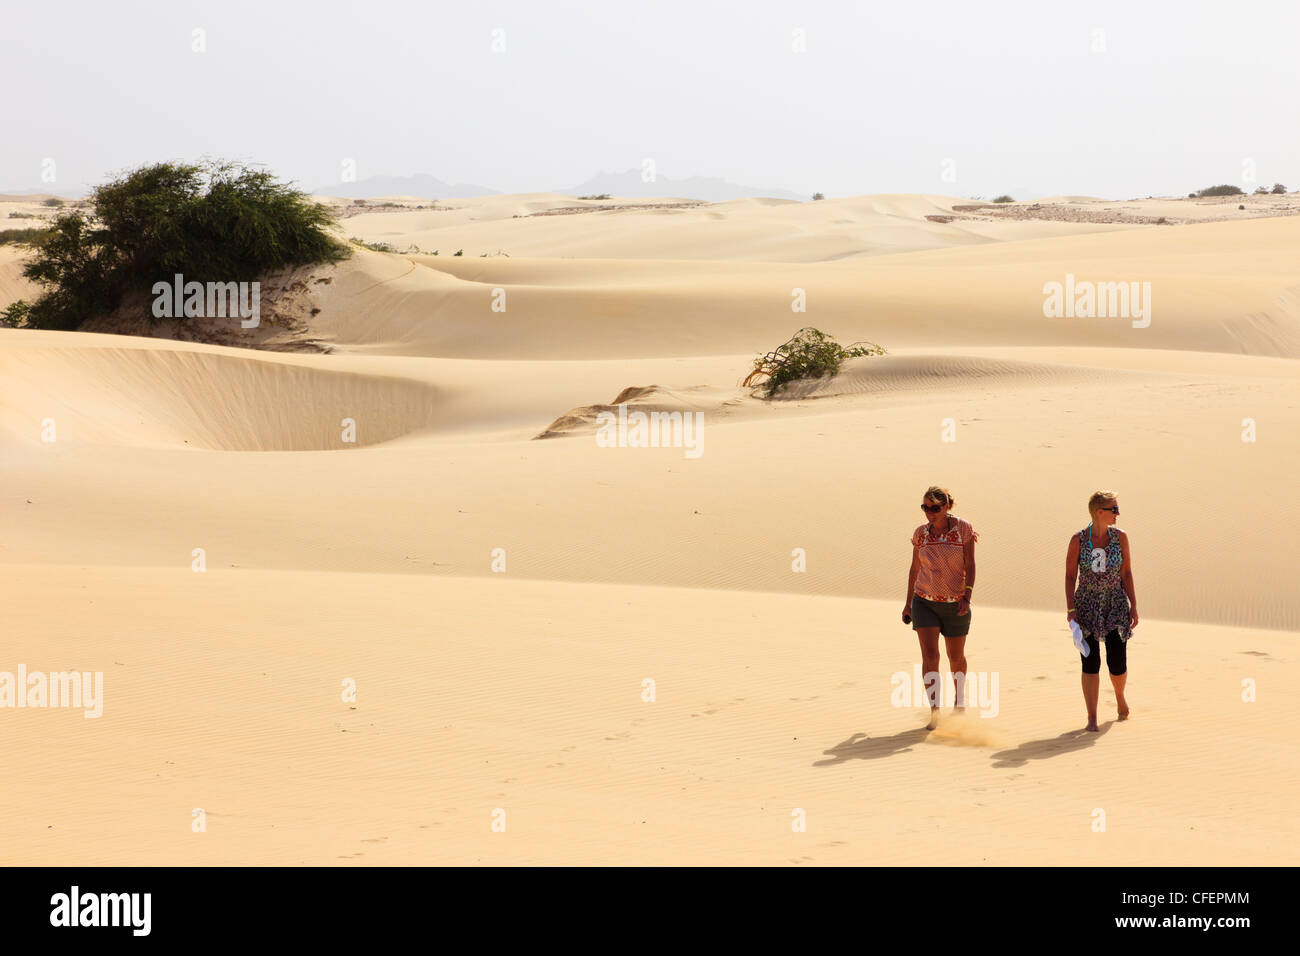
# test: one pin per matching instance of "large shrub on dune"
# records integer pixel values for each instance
(211, 222)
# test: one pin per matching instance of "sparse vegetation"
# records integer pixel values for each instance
(372, 246)
(1261, 191)
(459, 252)
(817, 196)
(20, 237)
(811, 353)
(53, 202)
(14, 315)
(1004, 198)
(212, 222)
(1222, 190)
(601, 196)
(1279, 189)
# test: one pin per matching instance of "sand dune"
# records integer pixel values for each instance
(500, 600)
(741, 229)
(204, 398)
(1218, 287)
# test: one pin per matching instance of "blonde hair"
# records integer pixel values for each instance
(942, 495)
(1100, 498)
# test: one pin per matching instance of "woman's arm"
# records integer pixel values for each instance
(968, 555)
(1071, 576)
(1126, 577)
(911, 583)
(911, 574)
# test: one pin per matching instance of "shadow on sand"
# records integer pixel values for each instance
(862, 747)
(1068, 742)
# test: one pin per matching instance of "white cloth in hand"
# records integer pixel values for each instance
(1077, 633)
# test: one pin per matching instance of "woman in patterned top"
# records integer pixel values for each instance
(1104, 605)
(939, 587)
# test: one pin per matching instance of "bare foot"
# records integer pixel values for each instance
(934, 719)
(1092, 725)
(1123, 714)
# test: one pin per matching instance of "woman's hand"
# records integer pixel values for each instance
(1132, 617)
(963, 606)
(907, 614)
(1072, 616)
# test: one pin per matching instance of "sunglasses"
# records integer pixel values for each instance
(931, 509)
(1112, 510)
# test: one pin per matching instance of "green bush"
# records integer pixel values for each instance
(601, 196)
(817, 197)
(1004, 198)
(1279, 189)
(1224, 190)
(53, 202)
(212, 222)
(14, 314)
(810, 354)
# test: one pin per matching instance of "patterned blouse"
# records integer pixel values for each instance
(1099, 599)
(942, 575)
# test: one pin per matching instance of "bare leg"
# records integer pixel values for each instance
(957, 664)
(1091, 687)
(929, 638)
(1118, 681)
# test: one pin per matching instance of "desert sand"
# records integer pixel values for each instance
(504, 604)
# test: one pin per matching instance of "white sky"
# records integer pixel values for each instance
(1185, 95)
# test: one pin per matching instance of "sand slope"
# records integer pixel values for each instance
(527, 697)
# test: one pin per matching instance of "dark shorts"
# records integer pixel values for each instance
(1116, 655)
(940, 614)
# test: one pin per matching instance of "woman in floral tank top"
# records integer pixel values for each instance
(1100, 598)
(939, 586)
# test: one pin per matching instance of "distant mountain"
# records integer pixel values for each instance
(36, 194)
(424, 186)
(421, 185)
(710, 188)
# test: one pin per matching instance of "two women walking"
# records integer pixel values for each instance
(1099, 591)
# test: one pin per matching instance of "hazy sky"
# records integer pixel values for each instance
(886, 97)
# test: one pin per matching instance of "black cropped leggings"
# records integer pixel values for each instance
(1116, 655)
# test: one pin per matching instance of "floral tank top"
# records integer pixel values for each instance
(942, 574)
(1099, 599)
